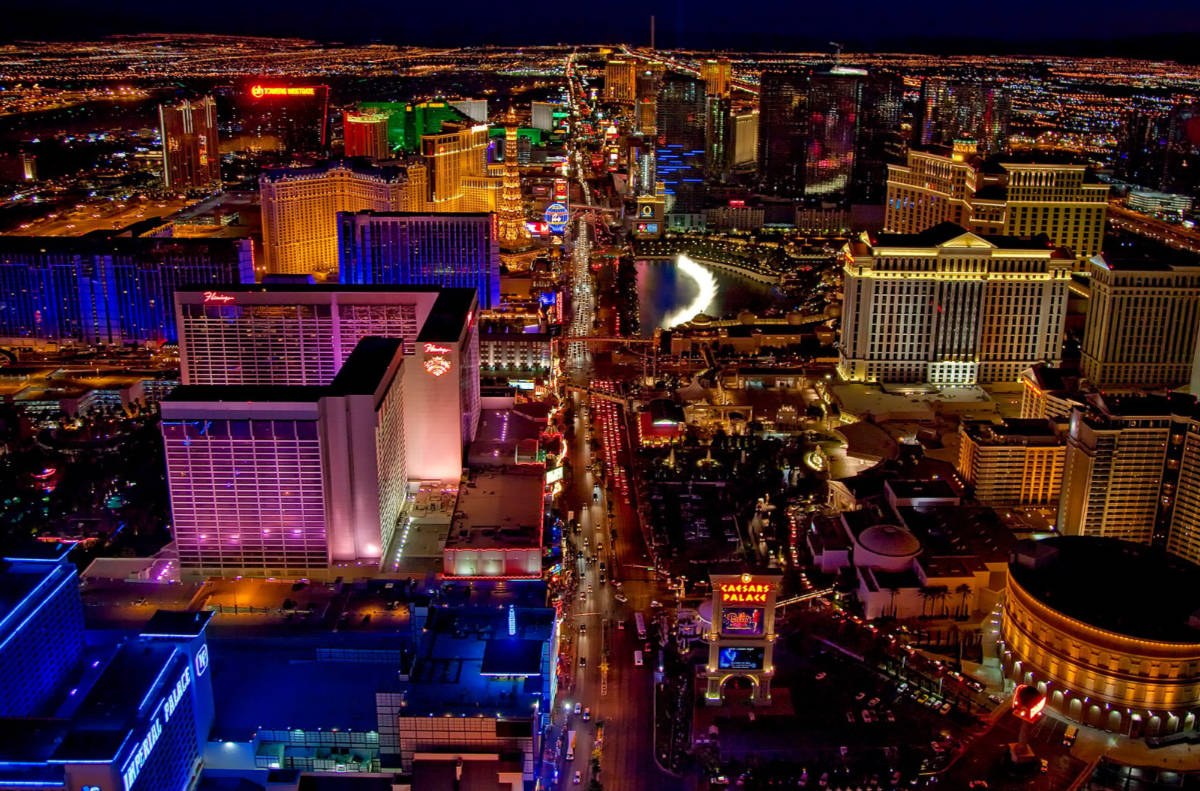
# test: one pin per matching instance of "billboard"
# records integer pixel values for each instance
(554, 476)
(741, 658)
(742, 621)
(647, 227)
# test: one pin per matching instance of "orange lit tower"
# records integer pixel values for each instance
(511, 216)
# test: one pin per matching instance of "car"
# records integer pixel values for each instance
(655, 604)
(820, 676)
(621, 624)
(578, 778)
(1045, 766)
(996, 699)
(868, 716)
(587, 713)
(850, 717)
(583, 661)
(945, 708)
(845, 750)
(583, 628)
(583, 595)
(873, 702)
(578, 708)
(860, 696)
(889, 715)
(621, 597)
(977, 784)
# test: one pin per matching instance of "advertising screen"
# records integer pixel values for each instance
(742, 620)
(647, 227)
(741, 658)
(554, 476)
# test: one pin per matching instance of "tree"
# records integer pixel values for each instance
(963, 591)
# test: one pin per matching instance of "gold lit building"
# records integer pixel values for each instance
(620, 81)
(1007, 198)
(300, 206)
(716, 74)
(510, 218)
(950, 307)
(1105, 630)
(453, 156)
(1017, 462)
(366, 135)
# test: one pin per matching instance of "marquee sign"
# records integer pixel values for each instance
(217, 298)
(259, 91)
(745, 592)
(437, 364)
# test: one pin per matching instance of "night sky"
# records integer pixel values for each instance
(1017, 25)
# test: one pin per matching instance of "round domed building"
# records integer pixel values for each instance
(886, 547)
(1109, 631)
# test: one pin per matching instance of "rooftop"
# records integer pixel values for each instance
(943, 232)
(498, 510)
(1120, 587)
(1014, 431)
(453, 310)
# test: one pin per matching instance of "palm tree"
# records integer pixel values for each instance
(927, 595)
(893, 592)
(963, 591)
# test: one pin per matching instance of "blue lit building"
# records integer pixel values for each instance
(680, 151)
(403, 248)
(125, 716)
(41, 629)
(105, 289)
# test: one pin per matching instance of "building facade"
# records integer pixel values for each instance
(300, 206)
(1005, 198)
(1143, 323)
(449, 250)
(191, 147)
(1114, 649)
(366, 135)
(1017, 462)
(452, 156)
(620, 81)
(288, 480)
(104, 290)
(301, 335)
(950, 307)
(1124, 464)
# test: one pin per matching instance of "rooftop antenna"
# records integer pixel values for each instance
(652, 32)
(837, 53)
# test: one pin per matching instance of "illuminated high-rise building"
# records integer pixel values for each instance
(282, 116)
(300, 336)
(718, 136)
(510, 219)
(952, 110)
(1125, 462)
(1017, 199)
(620, 81)
(452, 156)
(950, 307)
(808, 131)
(680, 154)
(1143, 318)
(880, 140)
(287, 480)
(716, 73)
(745, 139)
(451, 250)
(300, 206)
(366, 135)
(645, 116)
(105, 289)
(1016, 462)
(191, 152)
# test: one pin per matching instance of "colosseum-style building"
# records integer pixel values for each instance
(1108, 630)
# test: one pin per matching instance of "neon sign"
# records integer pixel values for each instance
(202, 660)
(556, 216)
(161, 717)
(433, 348)
(259, 91)
(437, 365)
(745, 592)
(214, 296)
